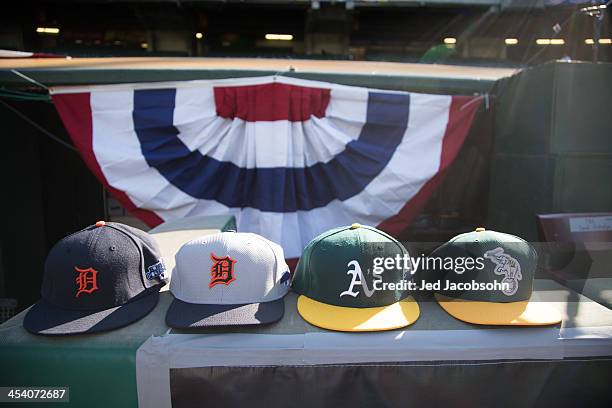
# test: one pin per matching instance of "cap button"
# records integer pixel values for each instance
(100, 224)
(480, 229)
(355, 225)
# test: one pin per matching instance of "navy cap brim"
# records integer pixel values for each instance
(44, 318)
(183, 315)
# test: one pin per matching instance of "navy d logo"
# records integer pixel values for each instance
(358, 279)
(221, 271)
(507, 266)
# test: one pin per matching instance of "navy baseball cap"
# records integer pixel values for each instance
(100, 278)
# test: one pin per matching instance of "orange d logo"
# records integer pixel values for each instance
(86, 280)
(222, 270)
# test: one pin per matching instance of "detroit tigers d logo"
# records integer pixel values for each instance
(222, 270)
(86, 280)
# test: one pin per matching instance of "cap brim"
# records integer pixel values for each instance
(43, 318)
(523, 313)
(183, 315)
(353, 319)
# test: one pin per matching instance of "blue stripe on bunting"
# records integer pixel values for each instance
(276, 189)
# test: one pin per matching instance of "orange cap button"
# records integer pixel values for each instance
(100, 224)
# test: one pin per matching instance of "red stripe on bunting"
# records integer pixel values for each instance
(75, 111)
(270, 102)
(461, 115)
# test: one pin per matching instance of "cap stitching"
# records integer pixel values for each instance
(92, 240)
(321, 237)
(141, 261)
(275, 258)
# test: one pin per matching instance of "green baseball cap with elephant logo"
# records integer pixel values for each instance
(499, 291)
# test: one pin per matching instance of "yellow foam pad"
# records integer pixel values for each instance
(353, 319)
(522, 313)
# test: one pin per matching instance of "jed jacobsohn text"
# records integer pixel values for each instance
(413, 264)
(441, 285)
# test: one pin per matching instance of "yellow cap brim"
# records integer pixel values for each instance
(354, 319)
(523, 313)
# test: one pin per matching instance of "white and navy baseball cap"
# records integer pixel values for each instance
(100, 278)
(228, 279)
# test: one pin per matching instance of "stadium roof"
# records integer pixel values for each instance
(386, 75)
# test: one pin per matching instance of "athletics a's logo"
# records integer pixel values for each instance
(358, 279)
(507, 266)
(221, 271)
(86, 280)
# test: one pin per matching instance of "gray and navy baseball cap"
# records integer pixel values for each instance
(228, 279)
(100, 278)
(498, 290)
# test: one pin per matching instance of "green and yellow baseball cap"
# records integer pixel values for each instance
(341, 288)
(497, 289)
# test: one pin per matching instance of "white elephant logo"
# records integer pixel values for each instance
(507, 266)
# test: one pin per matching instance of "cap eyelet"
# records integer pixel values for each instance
(113, 248)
